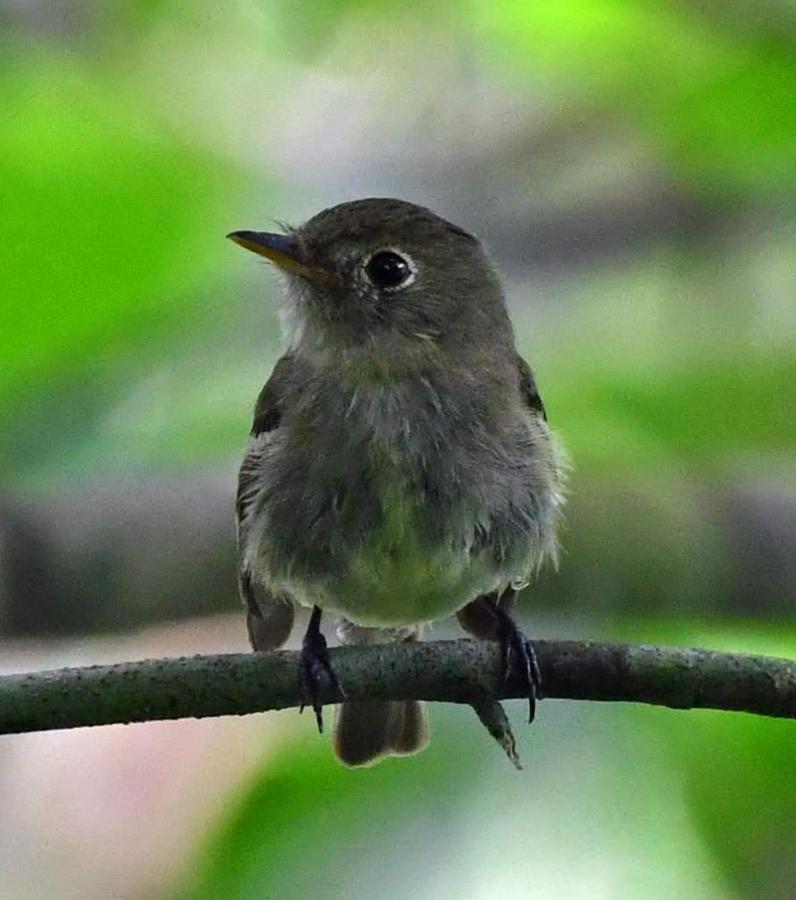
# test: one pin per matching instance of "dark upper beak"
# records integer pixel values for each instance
(281, 249)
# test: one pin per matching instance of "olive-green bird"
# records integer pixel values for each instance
(400, 467)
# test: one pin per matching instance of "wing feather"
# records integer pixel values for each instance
(530, 392)
(270, 618)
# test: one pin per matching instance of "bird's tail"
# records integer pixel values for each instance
(366, 730)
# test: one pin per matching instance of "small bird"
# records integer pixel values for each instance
(400, 468)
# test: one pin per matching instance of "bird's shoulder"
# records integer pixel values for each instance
(274, 397)
(269, 411)
(528, 389)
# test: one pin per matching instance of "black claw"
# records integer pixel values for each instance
(314, 664)
(514, 645)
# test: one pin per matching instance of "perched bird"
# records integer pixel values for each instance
(400, 467)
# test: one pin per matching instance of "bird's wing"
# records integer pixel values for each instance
(477, 617)
(268, 413)
(270, 618)
(530, 393)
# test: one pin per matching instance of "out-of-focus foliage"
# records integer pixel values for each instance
(712, 87)
(108, 245)
(631, 165)
(737, 773)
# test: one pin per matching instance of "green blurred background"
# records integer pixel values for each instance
(632, 167)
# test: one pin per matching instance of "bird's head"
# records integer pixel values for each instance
(384, 280)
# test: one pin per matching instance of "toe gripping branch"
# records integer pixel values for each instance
(314, 665)
(517, 652)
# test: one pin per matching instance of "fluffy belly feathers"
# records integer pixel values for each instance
(406, 558)
(392, 522)
(393, 576)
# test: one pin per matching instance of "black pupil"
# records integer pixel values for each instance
(387, 269)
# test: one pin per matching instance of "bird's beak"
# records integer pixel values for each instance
(282, 250)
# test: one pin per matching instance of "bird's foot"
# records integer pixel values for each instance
(314, 665)
(517, 650)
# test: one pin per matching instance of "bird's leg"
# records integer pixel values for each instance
(516, 648)
(314, 664)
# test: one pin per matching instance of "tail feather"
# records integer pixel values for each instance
(410, 733)
(366, 730)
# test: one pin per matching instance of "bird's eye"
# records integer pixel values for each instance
(388, 270)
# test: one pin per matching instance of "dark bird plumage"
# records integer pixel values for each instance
(400, 468)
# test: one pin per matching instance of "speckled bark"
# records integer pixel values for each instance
(458, 671)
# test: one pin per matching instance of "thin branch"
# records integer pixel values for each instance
(461, 671)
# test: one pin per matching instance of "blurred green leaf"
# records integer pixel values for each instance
(108, 223)
(709, 414)
(739, 777)
(303, 806)
(718, 101)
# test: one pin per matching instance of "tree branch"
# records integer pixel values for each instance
(461, 671)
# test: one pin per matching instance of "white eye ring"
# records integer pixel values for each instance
(394, 264)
